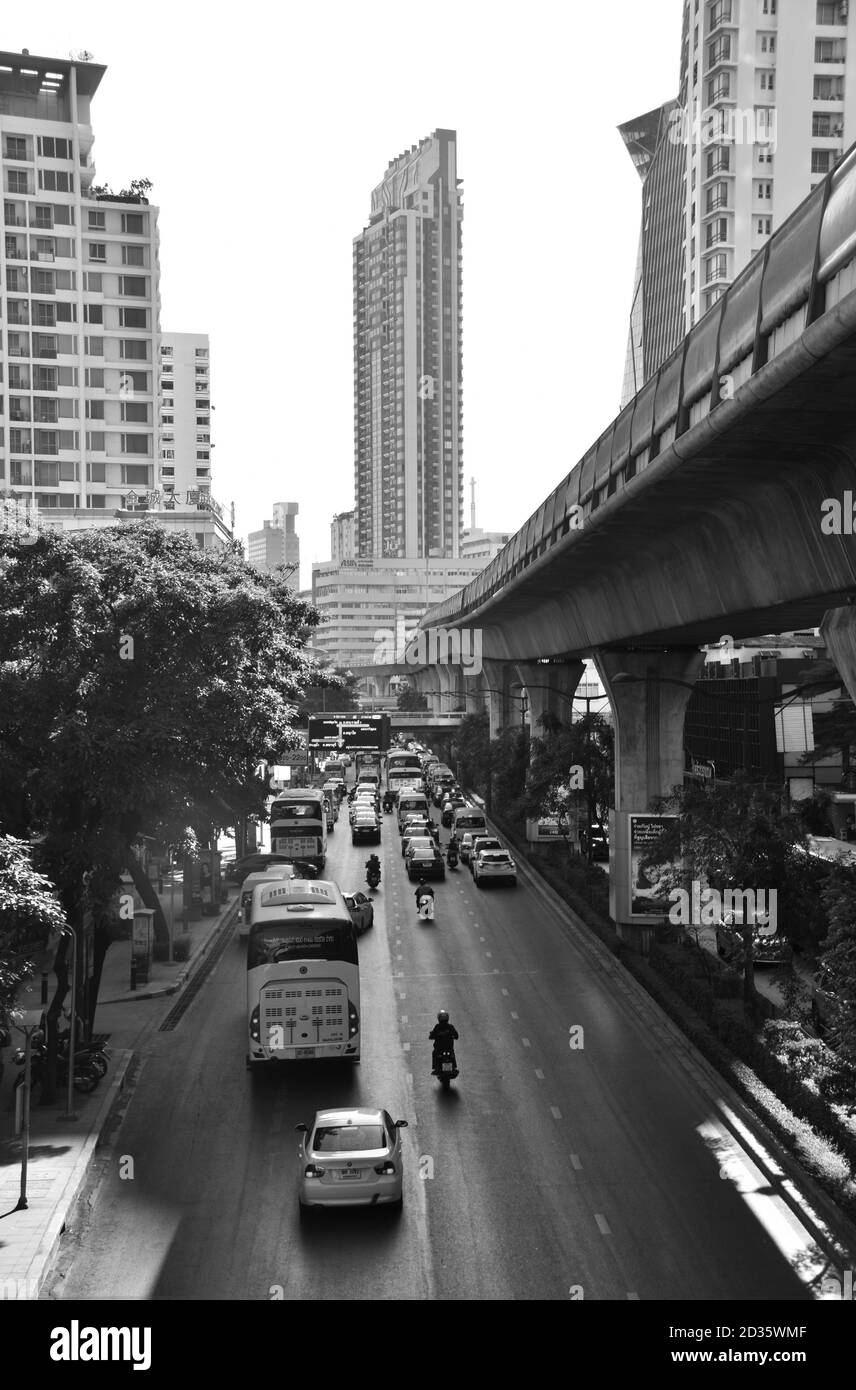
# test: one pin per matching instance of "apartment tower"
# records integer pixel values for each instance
(79, 301)
(185, 413)
(407, 359)
(766, 107)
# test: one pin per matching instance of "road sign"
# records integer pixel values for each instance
(360, 732)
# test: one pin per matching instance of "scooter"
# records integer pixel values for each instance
(86, 1078)
(452, 858)
(425, 907)
(387, 805)
(446, 1068)
(373, 877)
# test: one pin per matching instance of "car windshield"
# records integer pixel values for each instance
(346, 1139)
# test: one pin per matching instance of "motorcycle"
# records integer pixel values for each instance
(86, 1077)
(373, 877)
(446, 1068)
(387, 805)
(425, 907)
(452, 858)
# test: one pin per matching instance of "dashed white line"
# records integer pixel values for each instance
(405, 1047)
(489, 954)
(555, 1112)
(576, 1162)
(602, 1224)
(404, 1018)
(505, 992)
(526, 1042)
(539, 1073)
(513, 1015)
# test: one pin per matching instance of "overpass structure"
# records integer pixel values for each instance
(719, 501)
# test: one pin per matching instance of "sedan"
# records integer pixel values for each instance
(361, 909)
(350, 1158)
(362, 803)
(494, 866)
(365, 827)
(425, 861)
(416, 837)
(479, 843)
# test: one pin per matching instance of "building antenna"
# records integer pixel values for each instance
(473, 504)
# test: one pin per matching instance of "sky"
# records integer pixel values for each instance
(264, 128)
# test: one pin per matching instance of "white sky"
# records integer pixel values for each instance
(264, 127)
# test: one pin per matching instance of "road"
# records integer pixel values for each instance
(602, 1171)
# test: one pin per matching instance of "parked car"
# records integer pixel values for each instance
(350, 1158)
(494, 866)
(481, 842)
(365, 828)
(772, 949)
(425, 861)
(361, 909)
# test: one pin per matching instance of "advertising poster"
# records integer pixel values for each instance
(649, 886)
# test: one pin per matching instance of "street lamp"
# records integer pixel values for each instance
(32, 1023)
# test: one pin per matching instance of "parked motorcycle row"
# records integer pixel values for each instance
(90, 1064)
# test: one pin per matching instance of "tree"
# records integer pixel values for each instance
(735, 835)
(473, 746)
(834, 735)
(29, 914)
(839, 955)
(141, 682)
(410, 699)
(587, 744)
(333, 689)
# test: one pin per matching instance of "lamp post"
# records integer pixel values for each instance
(70, 1114)
(31, 1024)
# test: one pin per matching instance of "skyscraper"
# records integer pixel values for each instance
(766, 107)
(407, 359)
(277, 543)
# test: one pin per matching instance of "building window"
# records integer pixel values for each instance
(768, 43)
(828, 89)
(133, 255)
(822, 161)
(201, 352)
(135, 412)
(136, 444)
(97, 221)
(134, 349)
(93, 313)
(763, 190)
(716, 268)
(135, 474)
(132, 285)
(56, 181)
(717, 196)
(203, 454)
(133, 318)
(96, 499)
(769, 6)
(95, 410)
(94, 347)
(95, 472)
(166, 352)
(765, 225)
(717, 231)
(830, 50)
(768, 81)
(52, 148)
(134, 223)
(15, 147)
(97, 251)
(167, 453)
(17, 181)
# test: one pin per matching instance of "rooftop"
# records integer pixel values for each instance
(27, 72)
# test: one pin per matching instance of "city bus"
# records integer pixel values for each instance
(303, 975)
(298, 826)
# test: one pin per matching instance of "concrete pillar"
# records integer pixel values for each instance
(648, 712)
(838, 631)
(549, 688)
(495, 679)
(429, 684)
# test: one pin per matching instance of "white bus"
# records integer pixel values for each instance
(298, 826)
(303, 975)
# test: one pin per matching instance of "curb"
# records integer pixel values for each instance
(225, 921)
(42, 1261)
(715, 1085)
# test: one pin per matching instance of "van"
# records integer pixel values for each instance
(469, 820)
(368, 775)
(411, 803)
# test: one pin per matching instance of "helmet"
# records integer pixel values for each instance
(442, 1016)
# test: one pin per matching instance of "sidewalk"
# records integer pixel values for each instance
(62, 1150)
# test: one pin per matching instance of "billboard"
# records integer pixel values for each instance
(350, 732)
(649, 887)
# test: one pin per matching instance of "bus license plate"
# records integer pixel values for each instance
(304, 1052)
(350, 1173)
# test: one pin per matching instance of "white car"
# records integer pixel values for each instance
(351, 1158)
(494, 866)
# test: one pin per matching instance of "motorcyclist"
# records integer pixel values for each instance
(423, 890)
(372, 866)
(387, 802)
(454, 847)
(444, 1036)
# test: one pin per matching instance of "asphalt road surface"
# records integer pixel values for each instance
(560, 1165)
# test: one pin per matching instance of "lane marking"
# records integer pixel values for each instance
(539, 1073)
(513, 1014)
(405, 1047)
(505, 992)
(602, 1224)
(404, 1018)
(526, 1042)
(576, 1162)
(555, 1112)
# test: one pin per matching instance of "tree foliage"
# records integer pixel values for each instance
(587, 744)
(141, 682)
(411, 699)
(29, 914)
(839, 956)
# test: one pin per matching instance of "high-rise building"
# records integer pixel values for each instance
(342, 537)
(766, 107)
(277, 543)
(185, 412)
(407, 358)
(80, 297)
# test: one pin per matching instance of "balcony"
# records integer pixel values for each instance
(719, 15)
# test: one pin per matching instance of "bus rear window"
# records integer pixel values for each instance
(273, 941)
(296, 810)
